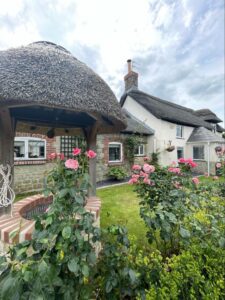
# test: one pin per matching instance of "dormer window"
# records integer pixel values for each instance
(179, 131)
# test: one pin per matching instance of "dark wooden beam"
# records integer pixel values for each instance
(91, 137)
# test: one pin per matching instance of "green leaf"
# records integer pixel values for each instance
(48, 221)
(92, 257)
(42, 267)
(85, 270)
(63, 193)
(73, 266)
(184, 232)
(21, 251)
(132, 276)
(66, 233)
(222, 242)
(108, 287)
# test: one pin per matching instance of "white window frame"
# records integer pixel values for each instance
(121, 152)
(182, 132)
(139, 147)
(26, 143)
(197, 146)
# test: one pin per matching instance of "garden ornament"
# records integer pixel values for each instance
(7, 195)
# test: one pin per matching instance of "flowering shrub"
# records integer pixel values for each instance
(169, 198)
(57, 262)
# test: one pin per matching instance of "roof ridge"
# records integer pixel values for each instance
(164, 101)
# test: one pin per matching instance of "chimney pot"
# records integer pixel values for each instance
(131, 79)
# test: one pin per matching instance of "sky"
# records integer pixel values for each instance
(177, 46)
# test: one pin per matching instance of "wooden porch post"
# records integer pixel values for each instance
(7, 133)
(91, 137)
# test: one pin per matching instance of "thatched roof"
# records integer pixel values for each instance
(204, 135)
(207, 115)
(166, 110)
(136, 126)
(43, 76)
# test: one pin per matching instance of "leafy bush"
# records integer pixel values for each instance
(117, 173)
(185, 260)
(175, 209)
(57, 262)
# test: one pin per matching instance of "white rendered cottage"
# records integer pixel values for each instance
(174, 126)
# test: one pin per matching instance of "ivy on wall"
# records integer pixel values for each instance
(131, 143)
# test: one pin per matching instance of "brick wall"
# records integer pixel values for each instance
(29, 174)
(103, 163)
(30, 178)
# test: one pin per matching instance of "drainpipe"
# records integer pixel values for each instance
(208, 158)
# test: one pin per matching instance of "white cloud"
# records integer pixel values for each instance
(177, 45)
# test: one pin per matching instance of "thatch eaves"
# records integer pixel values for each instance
(47, 75)
(166, 110)
(207, 115)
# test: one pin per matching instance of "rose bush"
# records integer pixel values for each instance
(171, 204)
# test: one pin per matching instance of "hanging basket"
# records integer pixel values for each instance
(218, 149)
(170, 148)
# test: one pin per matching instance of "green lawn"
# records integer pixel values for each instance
(204, 179)
(120, 206)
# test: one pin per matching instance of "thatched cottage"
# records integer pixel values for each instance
(164, 127)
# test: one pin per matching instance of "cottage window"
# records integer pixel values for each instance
(180, 152)
(115, 152)
(26, 148)
(198, 152)
(179, 131)
(139, 150)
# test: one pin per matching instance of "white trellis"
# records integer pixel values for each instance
(7, 194)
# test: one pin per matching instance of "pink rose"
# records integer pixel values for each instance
(195, 180)
(218, 165)
(191, 163)
(91, 154)
(72, 164)
(147, 181)
(182, 160)
(52, 156)
(76, 151)
(174, 170)
(136, 167)
(215, 177)
(146, 158)
(148, 168)
(135, 176)
(132, 180)
(143, 174)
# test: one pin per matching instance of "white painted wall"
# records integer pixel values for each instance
(164, 132)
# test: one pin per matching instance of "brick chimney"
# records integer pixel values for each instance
(131, 79)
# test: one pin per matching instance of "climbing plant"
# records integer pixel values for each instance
(131, 143)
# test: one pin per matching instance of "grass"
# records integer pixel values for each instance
(120, 206)
(204, 179)
(23, 196)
